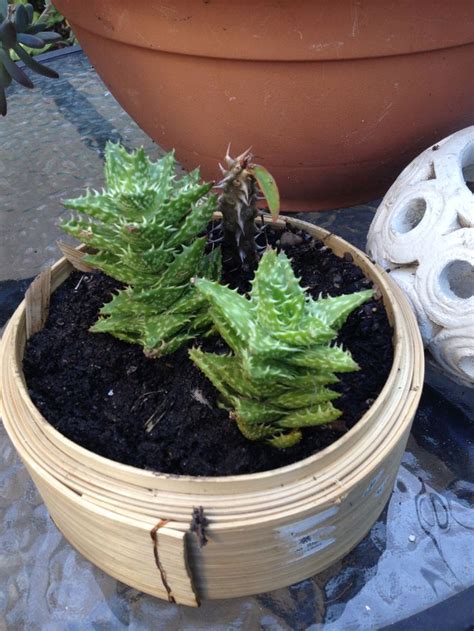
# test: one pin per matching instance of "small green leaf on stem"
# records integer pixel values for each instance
(269, 188)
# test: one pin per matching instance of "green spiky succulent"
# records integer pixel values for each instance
(145, 228)
(275, 381)
(19, 32)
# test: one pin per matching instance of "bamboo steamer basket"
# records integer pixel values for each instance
(266, 530)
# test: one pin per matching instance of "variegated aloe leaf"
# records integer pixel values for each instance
(145, 227)
(275, 382)
(232, 312)
(277, 294)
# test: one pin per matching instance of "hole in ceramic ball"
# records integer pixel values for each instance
(467, 366)
(458, 278)
(468, 175)
(409, 216)
(467, 166)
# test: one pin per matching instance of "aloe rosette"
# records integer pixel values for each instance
(275, 381)
(145, 229)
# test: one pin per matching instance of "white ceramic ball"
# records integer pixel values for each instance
(423, 232)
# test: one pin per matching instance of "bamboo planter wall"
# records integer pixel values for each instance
(266, 530)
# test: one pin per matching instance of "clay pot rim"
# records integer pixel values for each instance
(284, 57)
(262, 31)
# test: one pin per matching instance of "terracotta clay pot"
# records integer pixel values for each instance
(334, 97)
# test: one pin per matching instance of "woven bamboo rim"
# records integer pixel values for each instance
(135, 524)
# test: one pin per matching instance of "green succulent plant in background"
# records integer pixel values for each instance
(19, 33)
(145, 228)
(275, 380)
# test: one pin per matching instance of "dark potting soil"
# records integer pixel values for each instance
(102, 393)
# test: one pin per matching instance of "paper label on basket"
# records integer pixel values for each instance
(315, 542)
(305, 537)
(374, 482)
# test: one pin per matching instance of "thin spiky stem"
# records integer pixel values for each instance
(238, 205)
